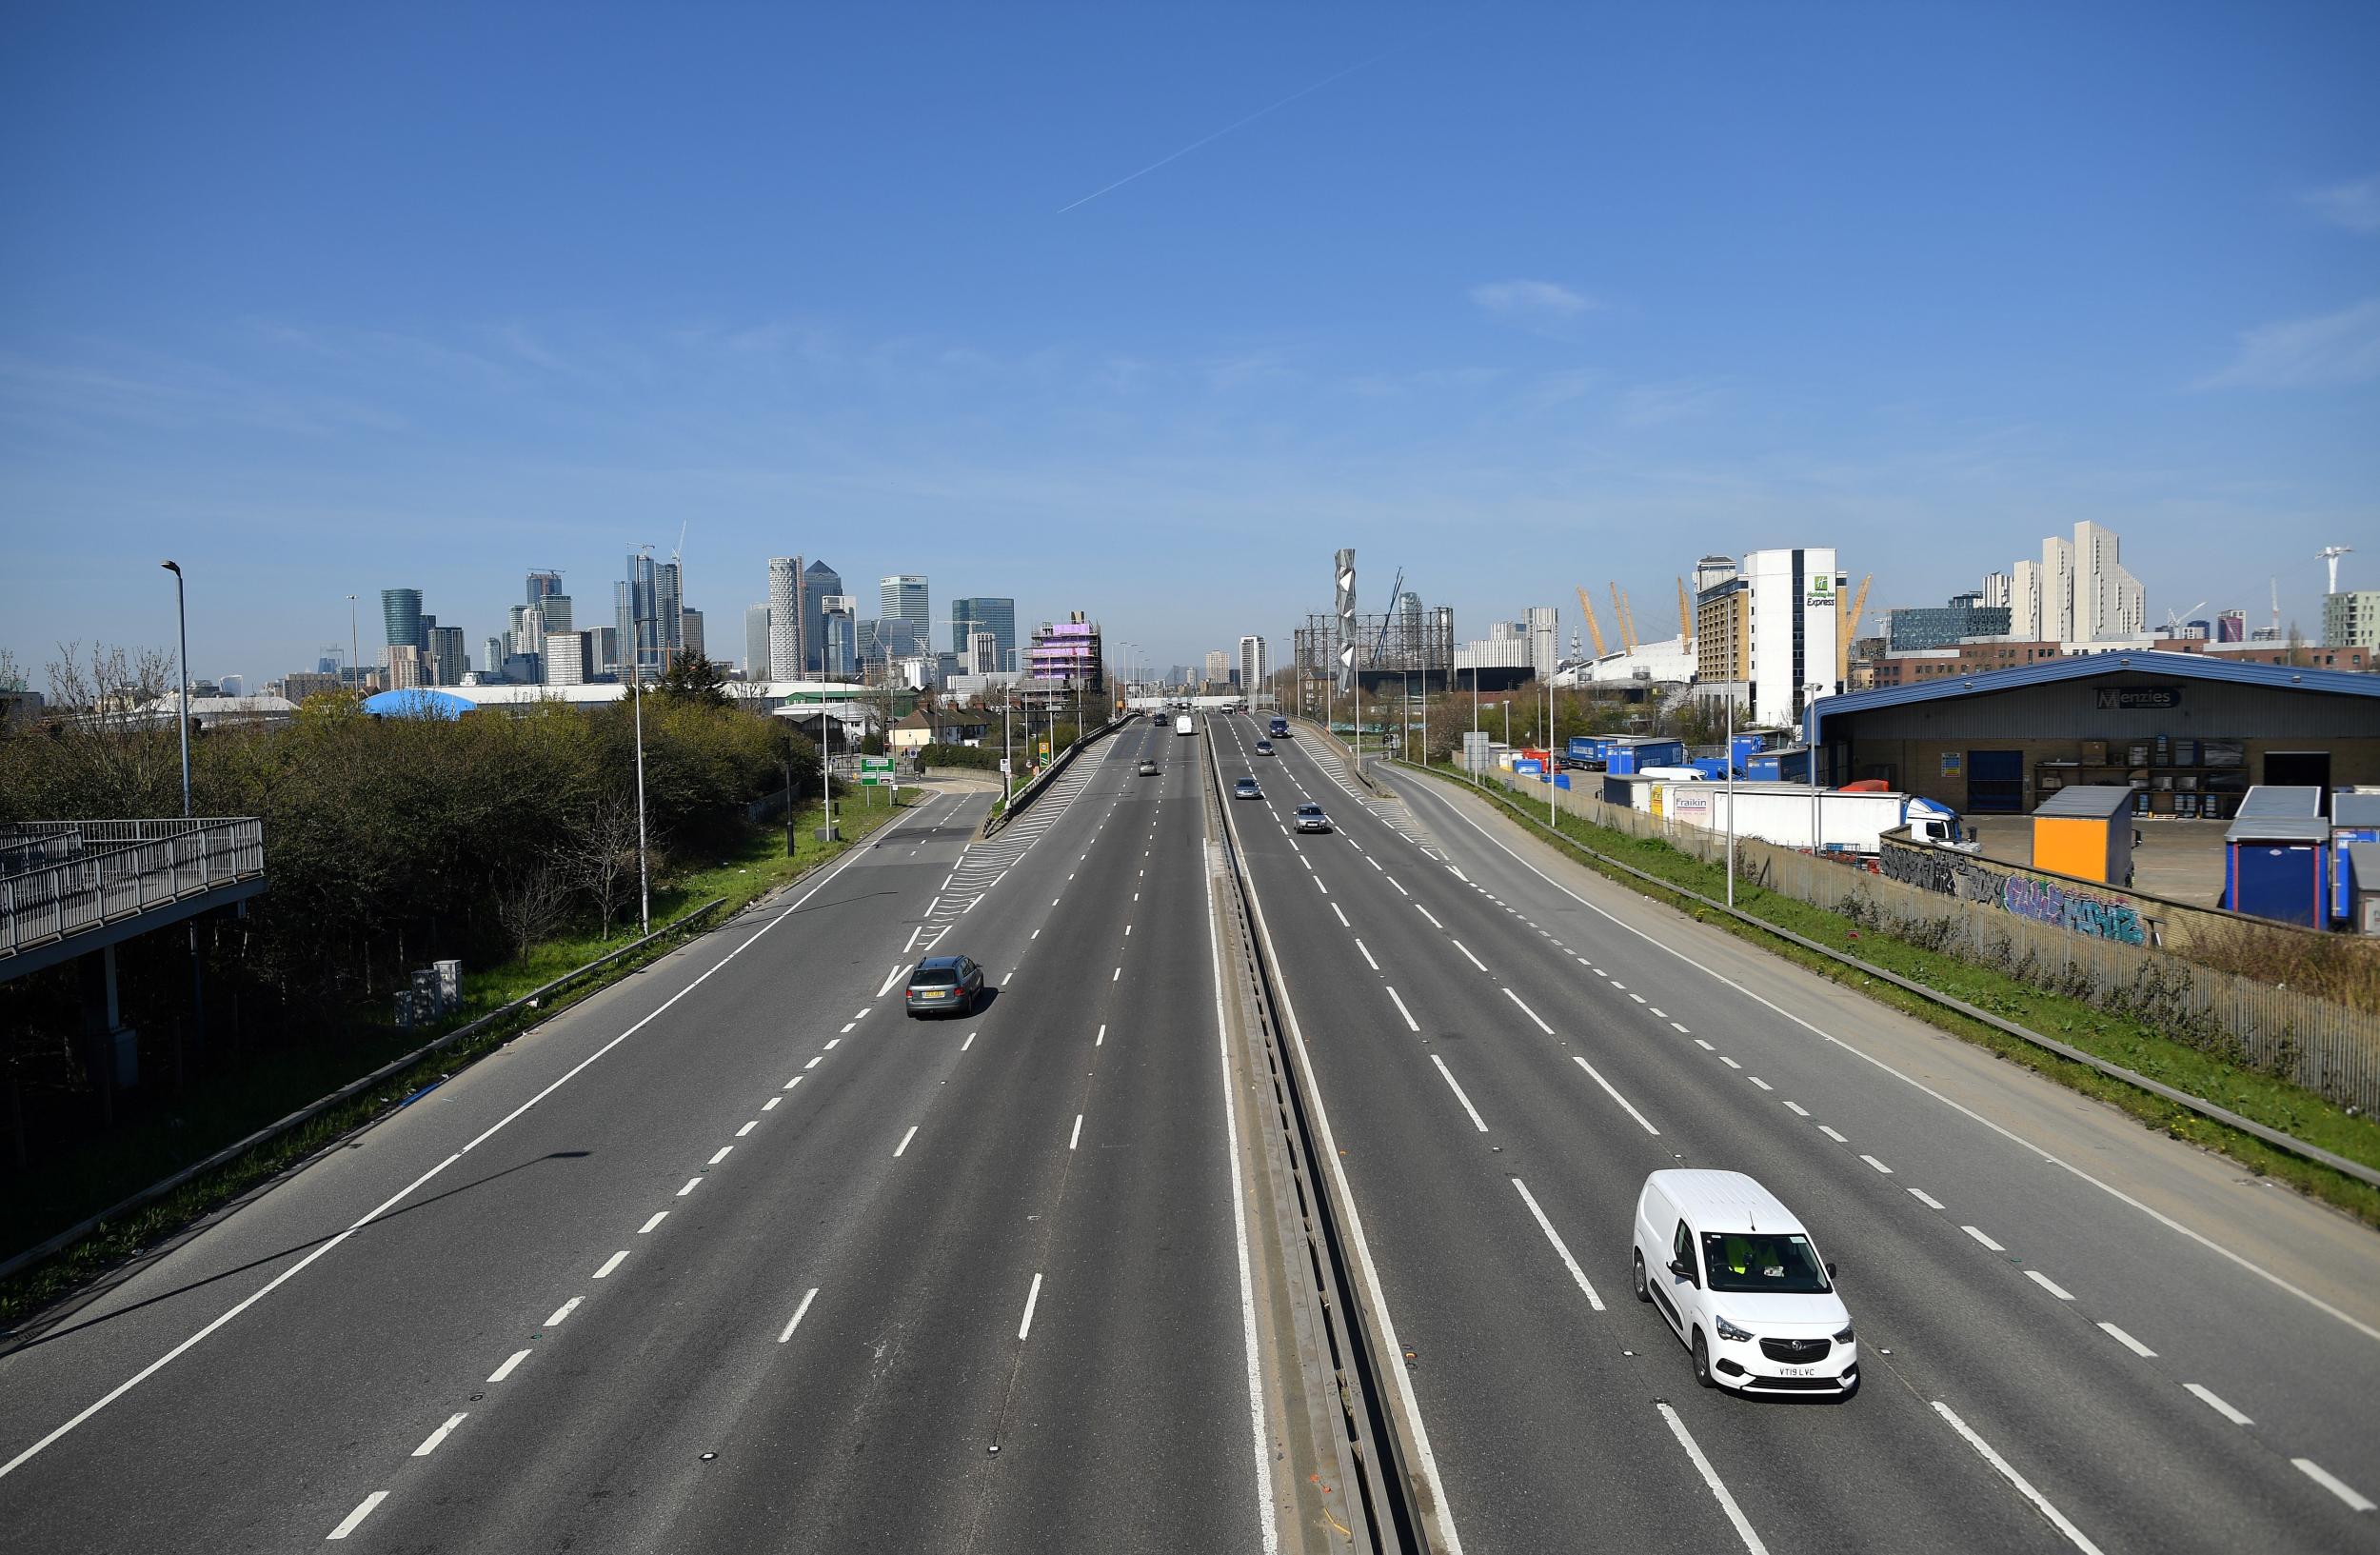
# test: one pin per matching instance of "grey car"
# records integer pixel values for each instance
(1309, 818)
(1148, 768)
(943, 986)
(1246, 788)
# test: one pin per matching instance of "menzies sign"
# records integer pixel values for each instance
(2145, 698)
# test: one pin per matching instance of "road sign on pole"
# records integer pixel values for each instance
(876, 770)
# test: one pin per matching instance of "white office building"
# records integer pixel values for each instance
(1256, 665)
(568, 658)
(1793, 626)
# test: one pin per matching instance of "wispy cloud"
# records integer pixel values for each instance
(1531, 302)
(2355, 204)
(1649, 405)
(2341, 347)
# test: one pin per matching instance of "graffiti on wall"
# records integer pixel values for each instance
(2043, 901)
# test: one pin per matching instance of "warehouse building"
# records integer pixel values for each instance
(2189, 733)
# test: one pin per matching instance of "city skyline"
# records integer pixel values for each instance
(1109, 408)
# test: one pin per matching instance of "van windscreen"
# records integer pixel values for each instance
(1784, 1262)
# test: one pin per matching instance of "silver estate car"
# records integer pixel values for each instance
(1309, 818)
(943, 986)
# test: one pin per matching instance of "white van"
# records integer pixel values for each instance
(1740, 1283)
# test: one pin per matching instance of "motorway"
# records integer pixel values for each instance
(734, 1256)
(2076, 1334)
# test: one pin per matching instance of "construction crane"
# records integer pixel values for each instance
(2175, 619)
(1395, 592)
(1685, 617)
(1842, 638)
(1595, 629)
(2331, 555)
(1859, 600)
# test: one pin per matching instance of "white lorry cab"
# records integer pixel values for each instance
(1739, 1281)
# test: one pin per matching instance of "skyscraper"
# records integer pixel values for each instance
(690, 640)
(401, 615)
(1217, 667)
(543, 585)
(839, 637)
(756, 642)
(997, 616)
(820, 582)
(785, 618)
(669, 610)
(2057, 590)
(448, 658)
(903, 596)
(1255, 665)
(558, 614)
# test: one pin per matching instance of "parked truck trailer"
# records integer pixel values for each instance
(1785, 813)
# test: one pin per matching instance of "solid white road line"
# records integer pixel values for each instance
(890, 980)
(1410, 1022)
(809, 1296)
(1718, 1486)
(610, 1263)
(2355, 1499)
(1554, 1237)
(505, 1371)
(2024, 1488)
(430, 1443)
(1030, 1298)
(1467, 955)
(1076, 1138)
(1476, 1123)
(1526, 1010)
(554, 1321)
(646, 1228)
(2368, 1331)
(2209, 1399)
(2048, 1285)
(363, 1510)
(1367, 956)
(1924, 1198)
(904, 1140)
(1985, 1240)
(2127, 1341)
(1614, 1094)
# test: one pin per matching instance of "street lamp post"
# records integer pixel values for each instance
(182, 621)
(644, 878)
(355, 672)
(1730, 801)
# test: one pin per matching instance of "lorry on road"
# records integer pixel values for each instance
(1783, 813)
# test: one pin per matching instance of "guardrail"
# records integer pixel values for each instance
(1399, 1515)
(58, 885)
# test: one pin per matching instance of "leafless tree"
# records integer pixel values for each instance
(530, 903)
(602, 860)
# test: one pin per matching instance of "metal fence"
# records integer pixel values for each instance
(62, 877)
(2329, 1048)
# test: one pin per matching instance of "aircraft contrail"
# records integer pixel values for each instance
(1236, 123)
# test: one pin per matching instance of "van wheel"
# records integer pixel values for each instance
(1644, 1292)
(1703, 1363)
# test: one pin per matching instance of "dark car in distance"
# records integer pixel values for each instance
(943, 986)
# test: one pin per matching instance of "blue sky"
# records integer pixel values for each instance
(322, 299)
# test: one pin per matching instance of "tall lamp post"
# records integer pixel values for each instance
(355, 671)
(182, 620)
(644, 880)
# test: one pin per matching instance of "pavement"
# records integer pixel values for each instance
(732, 1255)
(2075, 1334)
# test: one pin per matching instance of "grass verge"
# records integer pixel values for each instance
(2263, 1098)
(229, 1108)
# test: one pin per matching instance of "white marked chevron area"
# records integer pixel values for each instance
(983, 865)
(1392, 812)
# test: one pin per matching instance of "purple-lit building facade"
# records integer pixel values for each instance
(1065, 657)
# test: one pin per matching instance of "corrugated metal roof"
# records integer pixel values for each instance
(2279, 829)
(2088, 666)
(2087, 801)
(2276, 801)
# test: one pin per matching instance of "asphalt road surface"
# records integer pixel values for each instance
(2075, 1334)
(734, 1256)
